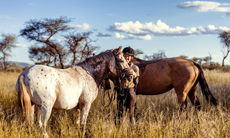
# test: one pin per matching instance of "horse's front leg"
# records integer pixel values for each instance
(78, 115)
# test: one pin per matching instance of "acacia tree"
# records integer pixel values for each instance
(43, 31)
(184, 56)
(138, 52)
(56, 41)
(43, 55)
(155, 56)
(79, 46)
(225, 39)
(6, 44)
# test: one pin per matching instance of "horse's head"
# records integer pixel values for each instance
(118, 64)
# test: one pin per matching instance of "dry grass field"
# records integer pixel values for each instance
(157, 116)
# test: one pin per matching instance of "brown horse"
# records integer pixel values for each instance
(160, 76)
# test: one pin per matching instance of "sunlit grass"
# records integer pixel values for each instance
(157, 116)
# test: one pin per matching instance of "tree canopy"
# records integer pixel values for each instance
(225, 39)
(6, 44)
(55, 43)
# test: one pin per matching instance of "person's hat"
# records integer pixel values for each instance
(129, 51)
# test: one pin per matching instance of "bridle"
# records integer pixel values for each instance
(120, 74)
(118, 67)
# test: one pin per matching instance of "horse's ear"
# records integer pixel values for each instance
(119, 49)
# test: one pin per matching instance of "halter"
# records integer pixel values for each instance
(119, 69)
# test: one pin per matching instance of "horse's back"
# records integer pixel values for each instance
(161, 76)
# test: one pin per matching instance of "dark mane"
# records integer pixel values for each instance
(98, 58)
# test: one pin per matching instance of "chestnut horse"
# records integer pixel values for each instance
(52, 88)
(160, 76)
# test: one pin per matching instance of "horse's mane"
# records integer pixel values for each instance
(97, 58)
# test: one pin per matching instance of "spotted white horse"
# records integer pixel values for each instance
(52, 88)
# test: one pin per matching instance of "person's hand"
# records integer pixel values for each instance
(134, 74)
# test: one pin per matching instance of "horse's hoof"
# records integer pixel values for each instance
(45, 135)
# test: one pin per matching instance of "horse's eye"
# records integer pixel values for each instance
(121, 61)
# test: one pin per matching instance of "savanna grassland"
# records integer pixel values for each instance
(157, 116)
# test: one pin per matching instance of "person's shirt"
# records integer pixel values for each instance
(135, 68)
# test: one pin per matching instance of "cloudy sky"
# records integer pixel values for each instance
(178, 27)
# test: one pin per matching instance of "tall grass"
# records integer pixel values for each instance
(157, 116)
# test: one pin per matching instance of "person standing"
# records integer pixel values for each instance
(126, 98)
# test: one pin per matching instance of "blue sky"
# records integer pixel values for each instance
(178, 27)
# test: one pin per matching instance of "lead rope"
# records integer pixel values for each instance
(111, 97)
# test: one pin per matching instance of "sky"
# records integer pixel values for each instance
(177, 27)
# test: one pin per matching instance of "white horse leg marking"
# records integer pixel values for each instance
(84, 113)
(32, 114)
(44, 117)
(78, 116)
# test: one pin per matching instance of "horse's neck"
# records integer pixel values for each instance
(98, 73)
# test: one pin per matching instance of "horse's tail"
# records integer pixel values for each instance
(24, 100)
(204, 86)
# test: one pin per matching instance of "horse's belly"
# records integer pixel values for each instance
(153, 89)
(65, 104)
(68, 98)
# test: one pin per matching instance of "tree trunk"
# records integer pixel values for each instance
(225, 58)
(223, 62)
(4, 62)
(74, 58)
(61, 62)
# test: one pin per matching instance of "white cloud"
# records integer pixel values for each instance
(205, 6)
(31, 4)
(211, 29)
(84, 26)
(145, 30)
(118, 36)
(147, 37)
(19, 45)
(7, 17)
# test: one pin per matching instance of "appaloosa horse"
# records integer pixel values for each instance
(160, 76)
(66, 88)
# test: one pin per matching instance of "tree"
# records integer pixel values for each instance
(6, 44)
(207, 59)
(43, 31)
(184, 56)
(80, 46)
(225, 39)
(155, 56)
(138, 52)
(43, 55)
(195, 59)
(55, 42)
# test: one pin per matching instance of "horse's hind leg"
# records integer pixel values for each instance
(132, 105)
(193, 96)
(84, 111)
(43, 118)
(32, 114)
(181, 97)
